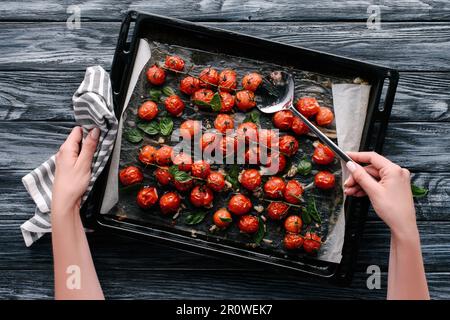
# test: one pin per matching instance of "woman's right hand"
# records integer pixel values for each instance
(388, 187)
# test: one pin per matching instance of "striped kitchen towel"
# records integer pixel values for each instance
(93, 107)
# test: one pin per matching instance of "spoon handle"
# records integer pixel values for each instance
(341, 154)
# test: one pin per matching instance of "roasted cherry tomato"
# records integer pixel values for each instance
(274, 188)
(156, 75)
(169, 203)
(293, 191)
(249, 130)
(147, 197)
(269, 138)
(201, 196)
(245, 100)
(299, 127)
(250, 179)
(215, 181)
(148, 110)
(278, 160)
(226, 101)
(324, 117)
(189, 85)
(190, 128)
(312, 243)
(308, 106)
(130, 175)
(163, 176)
(164, 156)
(208, 77)
(228, 145)
(239, 204)
(277, 210)
(248, 224)
(202, 96)
(251, 81)
(323, 155)
(222, 218)
(174, 105)
(293, 224)
(200, 169)
(209, 140)
(293, 241)
(283, 119)
(183, 161)
(223, 122)
(183, 186)
(174, 63)
(147, 155)
(324, 180)
(252, 155)
(288, 145)
(227, 80)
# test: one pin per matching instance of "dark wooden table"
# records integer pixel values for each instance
(42, 63)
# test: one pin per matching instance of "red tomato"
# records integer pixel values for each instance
(308, 106)
(148, 110)
(278, 160)
(223, 122)
(208, 77)
(248, 224)
(202, 96)
(299, 127)
(174, 63)
(312, 243)
(245, 100)
(164, 156)
(130, 175)
(183, 186)
(228, 145)
(147, 197)
(156, 75)
(201, 196)
(324, 117)
(293, 224)
(147, 155)
(283, 119)
(189, 85)
(239, 204)
(293, 241)
(269, 138)
(293, 191)
(216, 181)
(222, 218)
(163, 176)
(249, 130)
(252, 155)
(323, 155)
(324, 180)
(277, 210)
(227, 101)
(183, 161)
(288, 145)
(250, 179)
(190, 128)
(209, 140)
(169, 203)
(274, 187)
(227, 80)
(174, 105)
(200, 169)
(251, 81)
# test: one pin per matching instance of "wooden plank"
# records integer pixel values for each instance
(232, 10)
(47, 95)
(51, 46)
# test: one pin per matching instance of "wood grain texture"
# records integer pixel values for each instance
(51, 46)
(230, 10)
(47, 95)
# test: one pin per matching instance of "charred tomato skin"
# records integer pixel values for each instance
(277, 210)
(163, 176)
(283, 119)
(274, 188)
(227, 80)
(312, 243)
(156, 75)
(174, 63)
(147, 197)
(324, 117)
(189, 85)
(148, 110)
(299, 127)
(219, 217)
(183, 186)
(252, 155)
(249, 130)
(250, 179)
(147, 154)
(183, 161)
(201, 196)
(209, 140)
(324, 180)
(245, 100)
(293, 224)
(323, 155)
(190, 128)
(251, 81)
(130, 175)
(216, 181)
(288, 145)
(174, 105)
(307, 106)
(208, 77)
(164, 156)
(169, 203)
(248, 224)
(227, 101)
(228, 145)
(279, 161)
(239, 204)
(293, 191)
(202, 96)
(200, 169)
(224, 122)
(293, 241)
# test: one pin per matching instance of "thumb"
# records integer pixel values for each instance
(88, 148)
(363, 178)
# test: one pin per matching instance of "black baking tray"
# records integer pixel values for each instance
(382, 79)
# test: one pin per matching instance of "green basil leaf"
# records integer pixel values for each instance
(252, 116)
(133, 135)
(306, 217)
(232, 176)
(215, 103)
(151, 128)
(168, 91)
(418, 192)
(259, 235)
(201, 103)
(166, 126)
(178, 175)
(155, 95)
(195, 217)
(226, 219)
(304, 167)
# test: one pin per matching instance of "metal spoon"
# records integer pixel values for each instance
(285, 86)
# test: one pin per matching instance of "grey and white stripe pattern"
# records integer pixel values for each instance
(93, 107)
